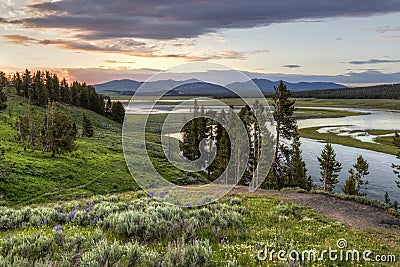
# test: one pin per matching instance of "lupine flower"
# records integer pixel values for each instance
(72, 215)
(151, 194)
(93, 220)
(258, 245)
(58, 228)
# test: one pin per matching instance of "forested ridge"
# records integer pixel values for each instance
(385, 91)
(44, 87)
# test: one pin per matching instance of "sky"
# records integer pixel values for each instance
(350, 42)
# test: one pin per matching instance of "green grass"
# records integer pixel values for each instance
(306, 113)
(388, 104)
(384, 145)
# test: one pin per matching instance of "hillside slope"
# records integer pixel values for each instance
(96, 166)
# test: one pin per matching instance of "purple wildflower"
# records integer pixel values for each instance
(151, 194)
(58, 228)
(95, 219)
(72, 215)
(258, 245)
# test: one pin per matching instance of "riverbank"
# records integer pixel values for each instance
(379, 144)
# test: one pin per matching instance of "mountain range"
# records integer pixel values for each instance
(195, 87)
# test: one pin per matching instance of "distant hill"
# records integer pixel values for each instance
(118, 85)
(201, 89)
(267, 86)
(132, 85)
(194, 87)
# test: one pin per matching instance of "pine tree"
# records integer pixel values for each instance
(59, 132)
(64, 92)
(285, 126)
(330, 168)
(117, 112)
(387, 199)
(26, 83)
(87, 127)
(396, 167)
(108, 106)
(358, 173)
(34, 123)
(350, 186)
(296, 174)
(3, 99)
(17, 83)
(396, 206)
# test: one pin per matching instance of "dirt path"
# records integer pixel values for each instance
(349, 213)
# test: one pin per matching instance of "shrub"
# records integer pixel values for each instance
(180, 254)
(105, 254)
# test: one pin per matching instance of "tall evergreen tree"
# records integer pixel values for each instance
(285, 126)
(396, 167)
(26, 83)
(358, 173)
(65, 95)
(29, 127)
(118, 112)
(330, 168)
(17, 83)
(87, 127)
(59, 132)
(387, 198)
(223, 147)
(296, 171)
(108, 106)
(3, 99)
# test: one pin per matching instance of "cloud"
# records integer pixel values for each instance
(118, 62)
(129, 47)
(385, 29)
(374, 61)
(159, 19)
(389, 37)
(292, 66)
(19, 39)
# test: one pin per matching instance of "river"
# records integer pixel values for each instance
(381, 177)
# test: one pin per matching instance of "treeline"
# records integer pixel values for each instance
(43, 87)
(3, 86)
(387, 91)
